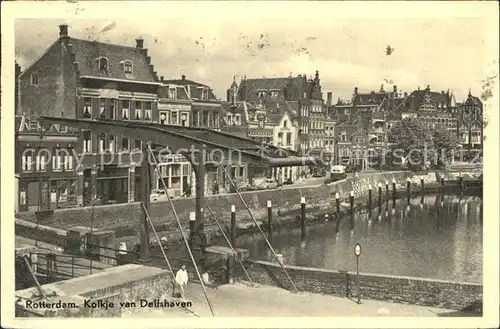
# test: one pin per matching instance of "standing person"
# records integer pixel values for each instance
(181, 278)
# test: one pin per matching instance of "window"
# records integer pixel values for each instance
(138, 110)
(41, 160)
(261, 123)
(124, 144)
(111, 141)
(237, 119)
(288, 138)
(138, 144)
(174, 118)
(125, 110)
(147, 111)
(285, 123)
(127, 67)
(87, 142)
(275, 94)
(34, 79)
(102, 108)
(196, 118)
(205, 119)
(261, 94)
(184, 119)
(56, 160)
(242, 171)
(165, 117)
(111, 108)
(172, 92)
(204, 94)
(343, 136)
(87, 108)
(27, 160)
(68, 161)
(103, 64)
(102, 142)
(215, 119)
(230, 119)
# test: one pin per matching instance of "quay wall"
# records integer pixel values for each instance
(126, 217)
(113, 285)
(399, 289)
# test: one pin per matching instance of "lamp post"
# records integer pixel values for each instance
(357, 252)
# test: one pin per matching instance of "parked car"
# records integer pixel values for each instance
(268, 183)
(247, 187)
(288, 181)
(158, 194)
(338, 173)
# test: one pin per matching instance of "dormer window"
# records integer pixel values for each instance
(261, 94)
(275, 94)
(127, 67)
(237, 119)
(204, 94)
(34, 79)
(172, 92)
(103, 64)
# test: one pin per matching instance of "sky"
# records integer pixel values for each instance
(445, 53)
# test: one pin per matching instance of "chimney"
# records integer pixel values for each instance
(17, 69)
(148, 59)
(162, 78)
(355, 90)
(183, 77)
(139, 43)
(329, 97)
(63, 30)
(395, 88)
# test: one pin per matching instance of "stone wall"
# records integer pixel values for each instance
(132, 283)
(126, 217)
(40, 232)
(406, 290)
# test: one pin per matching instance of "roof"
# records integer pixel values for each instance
(193, 88)
(427, 98)
(291, 87)
(473, 100)
(88, 52)
(163, 92)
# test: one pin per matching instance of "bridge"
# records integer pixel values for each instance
(200, 146)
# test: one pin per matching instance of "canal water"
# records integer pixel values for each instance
(434, 236)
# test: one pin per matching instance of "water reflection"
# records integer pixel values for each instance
(433, 236)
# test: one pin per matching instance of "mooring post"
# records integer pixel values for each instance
(370, 196)
(386, 191)
(351, 201)
(393, 192)
(408, 190)
(422, 186)
(461, 181)
(442, 185)
(379, 197)
(192, 227)
(233, 225)
(303, 217)
(270, 221)
(337, 202)
(200, 187)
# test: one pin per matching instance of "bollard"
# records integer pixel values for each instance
(269, 221)
(422, 187)
(408, 190)
(192, 225)
(386, 191)
(379, 196)
(233, 225)
(393, 192)
(351, 201)
(303, 217)
(369, 196)
(337, 200)
(461, 182)
(442, 185)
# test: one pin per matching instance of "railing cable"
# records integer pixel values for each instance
(229, 243)
(258, 226)
(156, 167)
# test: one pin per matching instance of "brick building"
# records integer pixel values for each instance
(470, 124)
(302, 92)
(77, 78)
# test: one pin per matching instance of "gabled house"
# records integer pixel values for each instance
(77, 78)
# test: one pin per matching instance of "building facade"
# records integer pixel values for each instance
(470, 125)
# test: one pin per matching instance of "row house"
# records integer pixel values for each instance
(85, 79)
(470, 123)
(45, 166)
(306, 93)
(274, 123)
(187, 103)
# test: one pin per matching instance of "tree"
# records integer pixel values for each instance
(413, 140)
(445, 145)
